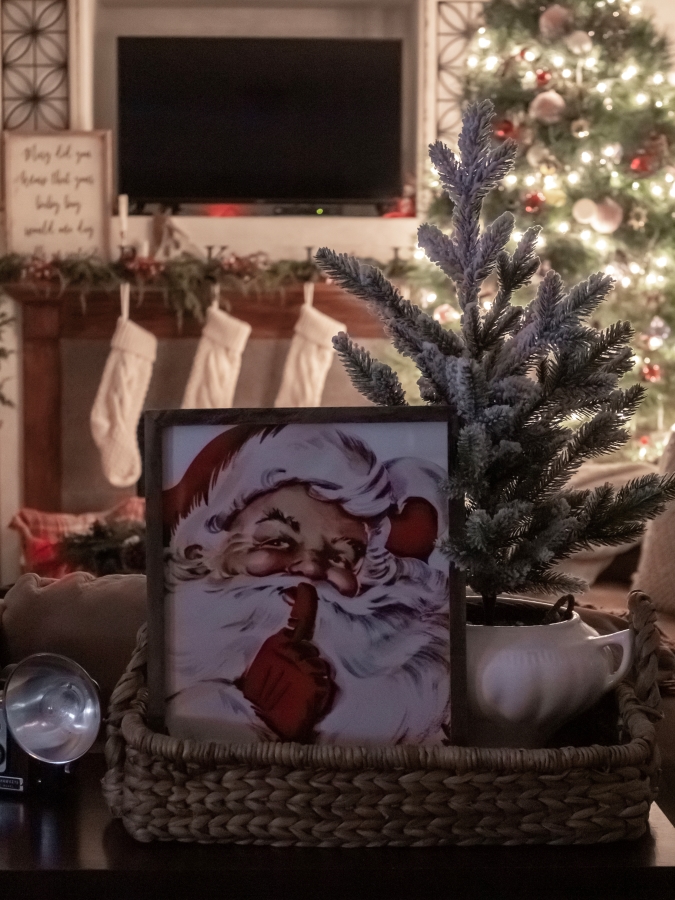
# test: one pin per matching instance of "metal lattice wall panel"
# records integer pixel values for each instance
(457, 21)
(35, 65)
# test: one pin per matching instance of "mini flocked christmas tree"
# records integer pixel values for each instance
(583, 87)
(534, 390)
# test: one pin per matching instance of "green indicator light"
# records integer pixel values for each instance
(319, 212)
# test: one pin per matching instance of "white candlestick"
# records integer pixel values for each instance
(123, 212)
(144, 252)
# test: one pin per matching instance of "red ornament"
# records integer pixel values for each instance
(543, 77)
(143, 268)
(225, 210)
(38, 269)
(534, 202)
(404, 209)
(642, 163)
(245, 268)
(503, 129)
(651, 372)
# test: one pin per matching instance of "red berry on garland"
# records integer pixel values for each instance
(504, 129)
(651, 372)
(534, 202)
(543, 77)
(39, 269)
(642, 163)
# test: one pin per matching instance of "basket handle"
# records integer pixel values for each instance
(647, 640)
(121, 701)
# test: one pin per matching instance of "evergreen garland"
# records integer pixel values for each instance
(107, 548)
(534, 389)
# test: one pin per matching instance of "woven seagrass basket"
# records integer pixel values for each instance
(311, 796)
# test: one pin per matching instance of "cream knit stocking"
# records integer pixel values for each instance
(217, 362)
(309, 359)
(119, 401)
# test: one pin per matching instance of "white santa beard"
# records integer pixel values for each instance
(388, 647)
(216, 629)
(391, 662)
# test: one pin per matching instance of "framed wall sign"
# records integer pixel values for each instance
(58, 190)
(296, 587)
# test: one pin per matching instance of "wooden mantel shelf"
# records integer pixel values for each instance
(272, 316)
(50, 316)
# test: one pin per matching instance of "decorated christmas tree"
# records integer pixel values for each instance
(533, 391)
(584, 89)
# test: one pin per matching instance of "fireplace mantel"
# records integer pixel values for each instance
(51, 316)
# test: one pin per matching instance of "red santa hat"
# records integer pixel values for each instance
(335, 464)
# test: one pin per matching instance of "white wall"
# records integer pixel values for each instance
(320, 21)
(286, 237)
(11, 481)
(664, 15)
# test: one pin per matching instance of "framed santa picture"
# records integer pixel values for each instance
(297, 586)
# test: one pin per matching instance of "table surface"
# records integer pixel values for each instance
(72, 848)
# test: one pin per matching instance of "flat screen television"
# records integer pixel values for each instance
(246, 119)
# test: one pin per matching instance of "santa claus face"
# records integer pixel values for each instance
(288, 531)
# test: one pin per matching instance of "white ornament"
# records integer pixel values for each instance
(584, 211)
(554, 22)
(537, 154)
(614, 152)
(608, 216)
(579, 43)
(547, 107)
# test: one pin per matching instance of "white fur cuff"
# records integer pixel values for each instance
(131, 338)
(317, 327)
(225, 330)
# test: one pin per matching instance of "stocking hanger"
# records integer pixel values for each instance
(125, 290)
(215, 295)
(308, 292)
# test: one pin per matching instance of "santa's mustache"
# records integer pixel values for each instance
(381, 630)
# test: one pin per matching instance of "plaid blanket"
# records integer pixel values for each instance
(42, 532)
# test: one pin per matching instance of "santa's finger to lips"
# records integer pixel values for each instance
(274, 683)
(302, 619)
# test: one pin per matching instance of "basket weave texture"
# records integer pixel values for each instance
(316, 796)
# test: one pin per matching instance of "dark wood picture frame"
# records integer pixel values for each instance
(155, 423)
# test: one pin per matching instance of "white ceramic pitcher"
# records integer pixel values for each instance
(524, 682)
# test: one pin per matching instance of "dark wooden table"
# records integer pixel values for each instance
(73, 849)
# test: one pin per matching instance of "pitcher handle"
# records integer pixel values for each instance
(625, 640)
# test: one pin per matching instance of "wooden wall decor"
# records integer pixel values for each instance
(49, 317)
(445, 29)
(35, 65)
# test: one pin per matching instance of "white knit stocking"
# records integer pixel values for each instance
(217, 362)
(309, 359)
(119, 401)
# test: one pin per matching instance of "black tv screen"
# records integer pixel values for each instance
(248, 119)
